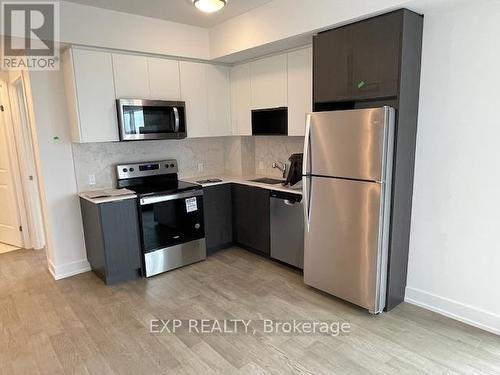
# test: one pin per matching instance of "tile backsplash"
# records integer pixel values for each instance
(275, 148)
(196, 157)
(99, 159)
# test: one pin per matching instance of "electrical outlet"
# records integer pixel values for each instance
(91, 179)
(200, 167)
(261, 165)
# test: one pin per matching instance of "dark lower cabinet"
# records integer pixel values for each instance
(112, 239)
(251, 218)
(218, 217)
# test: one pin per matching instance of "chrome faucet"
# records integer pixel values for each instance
(281, 166)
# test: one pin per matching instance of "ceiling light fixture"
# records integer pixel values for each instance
(209, 6)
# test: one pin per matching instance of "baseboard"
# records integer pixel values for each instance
(68, 269)
(462, 312)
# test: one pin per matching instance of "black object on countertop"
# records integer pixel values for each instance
(295, 171)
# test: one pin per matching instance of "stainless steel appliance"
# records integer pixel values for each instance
(141, 119)
(347, 192)
(287, 228)
(270, 121)
(170, 215)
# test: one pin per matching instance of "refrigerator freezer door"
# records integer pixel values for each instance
(349, 144)
(344, 253)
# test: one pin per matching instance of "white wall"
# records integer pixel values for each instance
(67, 255)
(454, 265)
(282, 23)
(96, 27)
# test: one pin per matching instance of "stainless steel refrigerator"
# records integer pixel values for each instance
(347, 198)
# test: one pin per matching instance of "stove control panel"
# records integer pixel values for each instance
(152, 168)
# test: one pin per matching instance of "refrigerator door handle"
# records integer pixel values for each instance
(306, 168)
(307, 201)
(307, 145)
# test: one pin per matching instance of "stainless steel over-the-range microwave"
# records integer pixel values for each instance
(141, 119)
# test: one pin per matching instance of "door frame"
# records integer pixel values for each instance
(25, 156)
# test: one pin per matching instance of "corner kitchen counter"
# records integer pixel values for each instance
(107, 195)
(244, 180)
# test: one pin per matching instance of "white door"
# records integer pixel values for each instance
(164, 80)
(194, 93)
(10, 221)
(269, 82)
(91, 95)
(218, 100)
(241, 98)
(131, 76)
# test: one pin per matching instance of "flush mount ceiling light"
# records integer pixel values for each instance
(209, 6)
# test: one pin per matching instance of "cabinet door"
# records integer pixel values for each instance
(218, 216)
(194, 93)
(131, 76)
(218, 100)
(90, 92)
(251, 220)
(332, 60)
(268, 81)
(241, 98)
(376, 56)
(299, 90)
(164, 81)
(120, 228)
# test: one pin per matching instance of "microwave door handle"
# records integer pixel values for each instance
(177, 121)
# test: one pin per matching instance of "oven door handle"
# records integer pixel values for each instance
(170, 197)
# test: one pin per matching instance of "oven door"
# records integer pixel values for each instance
(173, 231)
(151, 119)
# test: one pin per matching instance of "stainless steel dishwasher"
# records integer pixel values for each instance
(287, 228)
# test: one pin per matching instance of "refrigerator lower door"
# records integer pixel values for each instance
(346, 240)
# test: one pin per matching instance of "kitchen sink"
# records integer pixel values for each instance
(267, 180)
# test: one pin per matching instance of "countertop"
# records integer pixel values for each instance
(244, 180)
(109, 195)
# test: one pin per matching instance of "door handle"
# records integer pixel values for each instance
(177, 121)
(307, 201)
(307, 145)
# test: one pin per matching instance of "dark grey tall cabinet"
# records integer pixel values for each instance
(112, 239)
(373, 63)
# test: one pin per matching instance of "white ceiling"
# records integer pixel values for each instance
(182, 11)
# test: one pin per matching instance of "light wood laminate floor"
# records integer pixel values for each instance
(80, 326)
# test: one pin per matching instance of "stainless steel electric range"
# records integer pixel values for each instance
(170, 215)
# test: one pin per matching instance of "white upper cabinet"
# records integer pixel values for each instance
(164, 80)
(241, 99)
(269, 82)
(206, 90)
(131, 76)
(194, 93)
(218, 100)
(299, 90)
(90, 95)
